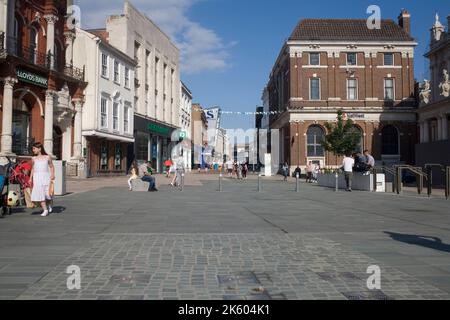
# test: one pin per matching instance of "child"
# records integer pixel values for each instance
(134, 174)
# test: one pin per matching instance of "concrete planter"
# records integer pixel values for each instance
(360, 182)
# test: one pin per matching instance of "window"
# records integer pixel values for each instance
(116, 116)
(118, 157)
(314, 59)
(127, 77)
(104, 156)
(116, 71)
(388, 59)
(147, 64)
(156, 74)
(360, 145)
(390, 142)
(315, 136)
(315, 89)
(104, 65)
(389, 89)
(351, 59)
(104, 113)
(352, 89)
(126, 119)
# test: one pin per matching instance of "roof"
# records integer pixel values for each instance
(101, 33)
(347, 30)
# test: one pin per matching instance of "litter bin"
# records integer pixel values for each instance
(60, 178)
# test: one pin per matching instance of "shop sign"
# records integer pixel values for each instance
(158, 129)
(32, 78)
(183, 135)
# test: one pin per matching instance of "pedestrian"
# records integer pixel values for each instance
(309, 172)
(229, 165)
(348, 164)
(168, 164)
(134, 171)
(179, 170)
(316, 172)
(370, 160)
(145, 170)
(42, 176)
(298, 172)
(285, 170)
(245, 170)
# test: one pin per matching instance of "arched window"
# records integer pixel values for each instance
(360, 146)
(34, 34)
(390, 141)
(315, 136)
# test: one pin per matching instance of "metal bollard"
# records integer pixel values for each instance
(259, 183)
(447, 183)
(220, 183)
(337, 182)
(297, 183)
(430, 181)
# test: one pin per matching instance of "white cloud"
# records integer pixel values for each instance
(202, 49)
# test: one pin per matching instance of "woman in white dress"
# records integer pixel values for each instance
(42, 174)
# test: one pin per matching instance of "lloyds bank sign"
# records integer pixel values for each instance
(32, 78)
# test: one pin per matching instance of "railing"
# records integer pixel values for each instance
(31, 55)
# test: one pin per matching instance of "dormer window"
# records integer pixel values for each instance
(314, 59)
(388, 59)
(351, 59)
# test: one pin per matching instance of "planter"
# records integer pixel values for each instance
(360, 182)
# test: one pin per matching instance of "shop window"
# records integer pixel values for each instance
(21, 144)
(104, 156)
(118, 157)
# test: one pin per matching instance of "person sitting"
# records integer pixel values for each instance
(145, 170)
(297, 172)
(370, 160)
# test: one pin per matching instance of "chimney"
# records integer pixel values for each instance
(404, 21)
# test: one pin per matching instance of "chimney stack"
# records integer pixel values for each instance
(404, 21)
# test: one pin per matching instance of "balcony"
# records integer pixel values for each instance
(31, 56)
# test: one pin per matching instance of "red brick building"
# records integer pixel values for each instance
(332, 64)
(41, 92)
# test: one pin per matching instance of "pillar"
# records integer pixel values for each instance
(51, 20)
(444, 127)
(48, 114)
(77, 141)
(6, 139)
(426, 132)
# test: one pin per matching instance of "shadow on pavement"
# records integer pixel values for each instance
(423, 241)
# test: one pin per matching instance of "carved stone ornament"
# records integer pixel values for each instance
(425, 92)
(445, 84)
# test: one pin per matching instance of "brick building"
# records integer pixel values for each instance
(332, 64)
(41, 91)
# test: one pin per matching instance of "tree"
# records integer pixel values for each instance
(342, 138)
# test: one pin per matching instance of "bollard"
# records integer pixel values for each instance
(297, 181)
(375, 181)
(337, 182)
(399, 180)
(259, 183)
(220, 183)
(430, 181)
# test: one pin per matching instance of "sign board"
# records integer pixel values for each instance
(158, 129)
(213, 117)
(32, 78)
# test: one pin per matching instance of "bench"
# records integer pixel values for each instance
(137, 185)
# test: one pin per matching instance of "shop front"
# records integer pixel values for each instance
(153, 142)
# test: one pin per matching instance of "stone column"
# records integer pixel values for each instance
(444, 127)
(48, 114)
(426, 132)
(77, 140)
(70, 37)
(6, 139)
(51, 20)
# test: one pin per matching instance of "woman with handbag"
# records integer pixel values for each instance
(42, 177)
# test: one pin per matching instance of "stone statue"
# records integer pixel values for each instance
(445, 85)
(425, 93)
(438, 29)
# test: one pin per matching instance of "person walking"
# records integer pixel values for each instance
(145, 175)
(285, 170)
(245, 171)
(134, 171)
(229, 165)
(42, 175)
(309, 172)
(348, 163)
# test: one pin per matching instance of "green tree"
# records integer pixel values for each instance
(342, 137)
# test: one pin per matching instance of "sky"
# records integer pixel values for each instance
(228, 47)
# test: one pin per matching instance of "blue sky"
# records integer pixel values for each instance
(229, 46)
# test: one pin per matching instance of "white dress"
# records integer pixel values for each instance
(41, 180)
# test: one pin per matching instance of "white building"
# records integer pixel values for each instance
(107, 123)
(186, 123)
(157, 90)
